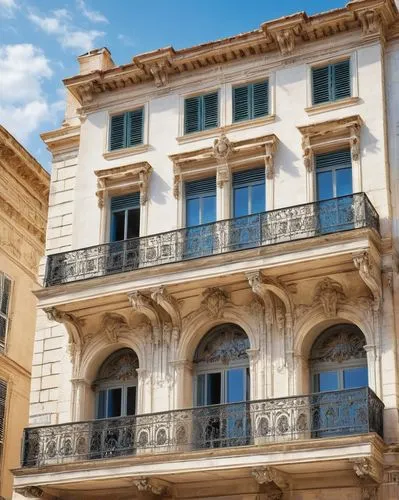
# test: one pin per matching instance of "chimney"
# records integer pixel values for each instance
(95, 60)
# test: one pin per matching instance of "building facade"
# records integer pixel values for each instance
(219, 317)
(24, 187)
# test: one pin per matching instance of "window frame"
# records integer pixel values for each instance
(126, 210)
(115, 385)
(332, 169)
(7, 315)
(201, 197)
(251, 85)
(201, 96)
(340, 103)
(250, 184)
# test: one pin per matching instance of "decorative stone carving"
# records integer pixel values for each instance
(307, 153)
(370, 275)
(366, 469)
(222, 175)
(144, 484)
(86, 92)
(286, 41)
(270, 149)
(222, 148)
(73, 325)
(339, 343)
(113, 325)
(223, 344)
(329, 293)
(159, 73)
(214, 301)
(148, 307)
(176, 181)
(30, 492)
(369, 492)
(265, 475)
(121, 365)
(354, 141)
(170, 305)
(370, 21)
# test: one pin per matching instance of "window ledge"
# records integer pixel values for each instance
(329, 106)
(120, 153)
(250, 123)
(204, 134)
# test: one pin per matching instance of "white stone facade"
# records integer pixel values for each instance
(283, 296)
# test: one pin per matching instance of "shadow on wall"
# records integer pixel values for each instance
(159, 189)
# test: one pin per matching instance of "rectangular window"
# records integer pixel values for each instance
(201, 112)
(125, 217)
(3, 396)
(126, 129)
(249, 192)
(5, 294)
(251, 101)
(331, 82)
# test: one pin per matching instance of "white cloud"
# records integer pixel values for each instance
(7, 8)
(58, 24)
(126, 40)
(93, 15)
(24, 106)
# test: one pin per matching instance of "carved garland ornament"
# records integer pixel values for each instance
(339, 343)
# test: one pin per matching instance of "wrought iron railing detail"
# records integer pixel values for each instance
(266, 228)
(252, 423)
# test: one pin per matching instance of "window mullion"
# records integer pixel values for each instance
(251, 102)
(331, 79)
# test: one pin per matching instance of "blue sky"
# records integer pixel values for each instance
(40, 39)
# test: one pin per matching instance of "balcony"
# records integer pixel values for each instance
(253, 423)
(299, 222)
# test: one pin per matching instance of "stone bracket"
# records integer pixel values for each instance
(367, 470)
(72, 324)
(278, 482)
(153, 486)
(171, 307)
(370, 273)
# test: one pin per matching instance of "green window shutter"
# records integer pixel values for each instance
(321, 85)
(241, 103)
(135, 127)
(334, 159)
(117, 132)
(341, 83)
(260, 102)
(210, 110)
(192, 115)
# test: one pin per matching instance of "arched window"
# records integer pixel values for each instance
(338, 359)
(116, 385)
(221, 366)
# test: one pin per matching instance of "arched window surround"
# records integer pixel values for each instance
(221, 366)
(116, 385)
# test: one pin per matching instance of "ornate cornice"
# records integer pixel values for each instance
(127, 178)
(285, 35)
(222, 157)
(63, 139)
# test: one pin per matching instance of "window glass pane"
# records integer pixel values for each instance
(235, 385)
(326, 381)
(193, 212)
(240, 201)
(355, 377)
(344, 181)
(131, 401)
(201, 390)
(324, 185)
(114, 402)
(5, 295)
(208, 209)
(133, 223)
(214, 388)
(118, 226)
(101, 404)
(258, 199)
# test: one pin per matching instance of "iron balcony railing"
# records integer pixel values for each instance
(251, 231)
(328, 414)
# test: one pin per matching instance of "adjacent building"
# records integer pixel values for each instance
(24, 187)
(220, 310)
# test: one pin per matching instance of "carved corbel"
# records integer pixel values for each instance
(72, 324)
(370, 274)
(370, 21)
(270, 149)
(30, 492)
(307, 153)
(177, 180)
(144, 484)
(367, 470)
(273, 478)
(112, 326)
(159, 73)
(286, 41)
(170, 305)
(354, 141)
(255, 280)
(86, 92)
(145, 305)
(144, 180)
